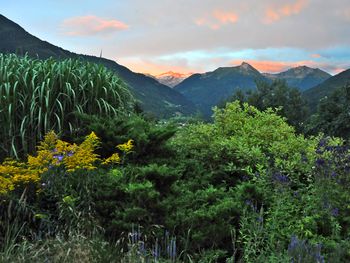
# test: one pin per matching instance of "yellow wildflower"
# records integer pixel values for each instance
(49, 142)
(54, 152)
(84, 156)
(5, 185)
(14, 173)
(42, 161)
(126, 147)
(113, 159)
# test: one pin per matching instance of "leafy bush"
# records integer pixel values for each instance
(245, 188)
(332, 116)
(277, 94)
(150, 137)
(244, 140)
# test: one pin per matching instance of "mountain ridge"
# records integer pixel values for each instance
(155, 97)
(209, 89)
(315, 94)
(301, 77)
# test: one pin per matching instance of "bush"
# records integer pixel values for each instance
(245, 188)
(150, 137)
(243, 141)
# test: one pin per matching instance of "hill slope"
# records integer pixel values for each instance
(209, 89)
(314, 94)
(153, 96)
(301, 77)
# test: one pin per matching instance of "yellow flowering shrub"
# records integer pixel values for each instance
(13, 173)
(53, 152)
(83, 156)
(5, 185)
(113, 159)
(126, 147)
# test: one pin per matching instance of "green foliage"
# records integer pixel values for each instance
(75, 248)
(252, 234)
(245, 188)
(332, 117)
(149, 136)
(325, 89)
(244, 140)
(236, 158)
(38, 96)
(277, 95)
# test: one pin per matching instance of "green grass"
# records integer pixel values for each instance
(37, 96)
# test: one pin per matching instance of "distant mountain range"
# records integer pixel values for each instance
(171, 79)
(154, 97)
(189, 93)
(209, 89)
(324, 89)
(301, 77)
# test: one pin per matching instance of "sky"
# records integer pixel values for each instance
(156, 36)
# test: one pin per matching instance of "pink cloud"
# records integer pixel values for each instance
(279, 66)
(266, 66)
(149, 67)
(338, 70)
(91, 25)
(217, 19)
(315, 56)
(225, 17)
(346, 14)
(273, 13)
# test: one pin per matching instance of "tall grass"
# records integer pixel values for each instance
(37, 96)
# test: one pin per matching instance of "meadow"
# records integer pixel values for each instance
(85, 178)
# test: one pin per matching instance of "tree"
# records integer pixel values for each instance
(277, 95)
(333, 114)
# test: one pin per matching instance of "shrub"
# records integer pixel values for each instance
(244, 140)
(150, 137)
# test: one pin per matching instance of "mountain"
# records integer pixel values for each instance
(154, 97)
(171, 79)
(324, 89)
(301, 77)
(209, 89)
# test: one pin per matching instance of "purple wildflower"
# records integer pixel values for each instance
(320, 162)
(280, 178)
(59, 157)
(294, 241)
(335, 212)
(322, 142)
(319, 151)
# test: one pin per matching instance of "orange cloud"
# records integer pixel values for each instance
(200, 21)
(338, 70)
(346, 14)
(274, 13)
(91, 25)
(275, 66)
(225, 17)
(217, 19)
(148, 67)
(316, 56)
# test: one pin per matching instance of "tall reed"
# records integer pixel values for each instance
(37, 96)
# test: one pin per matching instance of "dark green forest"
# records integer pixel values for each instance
(87, 176)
